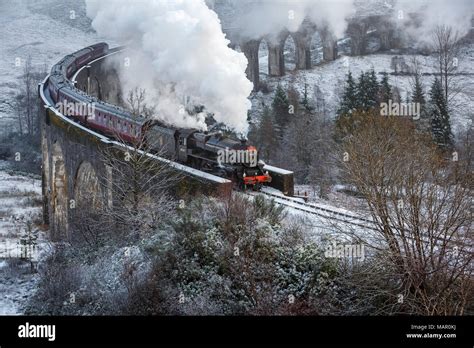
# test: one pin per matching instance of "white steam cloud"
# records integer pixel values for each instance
(454, 13)
(177, 50)
(262, 17)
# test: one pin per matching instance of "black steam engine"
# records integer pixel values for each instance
(209, 152)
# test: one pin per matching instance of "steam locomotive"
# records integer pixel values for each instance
(205, 151)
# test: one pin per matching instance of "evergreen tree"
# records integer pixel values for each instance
(385, 91)
(417, 95)
(266, 134)
(349, 105)
(440, 125)
(349, 99)
(362, 97)
(305, 100)
(280, 107)
(372, 90)
(367, 91)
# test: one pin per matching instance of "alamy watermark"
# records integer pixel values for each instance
(37, 331)
(76, 109)
(229, 156)
(339, 251)
(401, 109)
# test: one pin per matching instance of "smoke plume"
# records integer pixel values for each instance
(454, 13)
(257, 18)
(177, 51)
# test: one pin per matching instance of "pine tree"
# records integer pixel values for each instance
(417, 95)
(349, 105)
(266, 134)
(280, 107)
(305, 100)
(349, 99)
(362, 97)
(385, 91)
(440, 125)
(372, 90)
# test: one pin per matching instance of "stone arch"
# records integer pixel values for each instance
(87, 189)
(316, 46)
(250, 49)
(95, 88)
(59, 193)
(290, 53)
(263, 57)
(373, 42)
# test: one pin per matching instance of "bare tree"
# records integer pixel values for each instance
(25, 102)
(421, 207)
(28, 83)
(136, 100)
(140, 184)
(465, 143)
(446, 45)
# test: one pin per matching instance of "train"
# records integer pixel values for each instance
(205, 151)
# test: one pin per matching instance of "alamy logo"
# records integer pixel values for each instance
(37, 331)
(400, 109)
(340, 251)
(74, 109)
(248, 156)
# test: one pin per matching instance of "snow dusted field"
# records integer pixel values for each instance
(330, 79)
(42, 29)
(20, 199)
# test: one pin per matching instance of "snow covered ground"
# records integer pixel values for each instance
(20, 203)
(329, 79)
(46, 30)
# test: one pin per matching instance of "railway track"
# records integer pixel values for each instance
(314, 209)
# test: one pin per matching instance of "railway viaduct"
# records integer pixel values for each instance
(74, 174)
(359, 30)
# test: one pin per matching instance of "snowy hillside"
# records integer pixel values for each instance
(44, 30)
(330, 77)
(20, 203)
